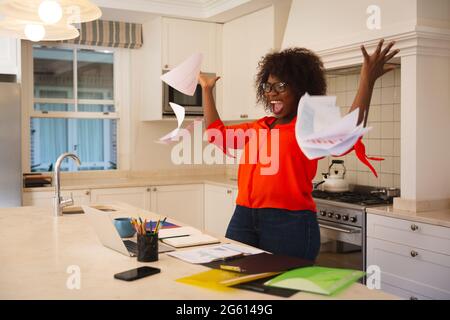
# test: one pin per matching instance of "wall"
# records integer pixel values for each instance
(383, 140)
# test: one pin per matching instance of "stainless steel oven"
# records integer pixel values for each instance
(342, 233)
(342, 221)
(193, 105)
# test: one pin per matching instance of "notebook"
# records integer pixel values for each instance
(177, 232)
(220, 279)
(264, 262)
(189, 241)
(326, 281)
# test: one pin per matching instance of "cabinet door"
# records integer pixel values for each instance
(219, 208)
(45, 198)
(138, 197)
(9, 63)
(182, 38)
(183, 203)
(241, 55)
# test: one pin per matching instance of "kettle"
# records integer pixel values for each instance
(334, 180)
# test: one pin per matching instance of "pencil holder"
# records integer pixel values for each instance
(147, 247)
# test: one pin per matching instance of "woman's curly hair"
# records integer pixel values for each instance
(300, 68)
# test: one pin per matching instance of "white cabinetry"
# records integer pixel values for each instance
(45, 198)
(135, 196)
(167, 43)
(245, 41)
(180, 202)
(182, 38)
(414, 258)
(219, 208)
(9, 60)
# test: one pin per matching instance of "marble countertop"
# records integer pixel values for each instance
(40, 253)
(98, 183)
(438, 217)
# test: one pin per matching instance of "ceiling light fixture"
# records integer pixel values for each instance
(56, 17)
(34, 32)
(50, 11)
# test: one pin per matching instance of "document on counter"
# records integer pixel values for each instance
(320, 131)
(214, 253)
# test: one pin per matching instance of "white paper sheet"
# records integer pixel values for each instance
(184, 77)
(173, 135)
(320, 130)
(213, 253)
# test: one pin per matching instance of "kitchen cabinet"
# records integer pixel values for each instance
(167, 43)
(182, 38)
(135, 196)
(220, 203)
(9, 58)
(241, 55)
(45, 198)
(180, 202)
(414, 258)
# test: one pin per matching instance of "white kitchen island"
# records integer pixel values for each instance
(40, 253)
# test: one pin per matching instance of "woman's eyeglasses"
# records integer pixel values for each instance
(278, 87)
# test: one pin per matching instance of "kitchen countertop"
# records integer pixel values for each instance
(39, 250)
(438, 217)
(98, 183)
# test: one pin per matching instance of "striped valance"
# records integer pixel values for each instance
(109, 34)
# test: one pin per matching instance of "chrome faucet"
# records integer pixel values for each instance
(59, 202)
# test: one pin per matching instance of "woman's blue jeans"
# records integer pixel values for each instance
(279, 231)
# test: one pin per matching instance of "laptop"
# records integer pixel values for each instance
(109, 236)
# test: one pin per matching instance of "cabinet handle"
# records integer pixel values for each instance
(244, 116)
(414, 253)
(413, 298)
(229, 191)
(166, 66)
(148, 189)
(87, 193)
(154, 189)
(414, 227)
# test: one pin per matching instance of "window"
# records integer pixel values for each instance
(73, 109)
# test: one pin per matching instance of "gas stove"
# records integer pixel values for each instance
(351, 197)
(342, 221)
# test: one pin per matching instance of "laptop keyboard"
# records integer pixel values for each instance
(131, 246)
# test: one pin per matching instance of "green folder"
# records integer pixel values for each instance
(320, 280)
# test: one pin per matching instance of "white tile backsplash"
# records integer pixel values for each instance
(341, 84)
(387, 130)
(387, 80)
(387, 112)
(387, 95)
(384, 138)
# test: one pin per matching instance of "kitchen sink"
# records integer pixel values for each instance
(73, 210)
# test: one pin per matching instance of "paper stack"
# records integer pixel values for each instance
(320, 130)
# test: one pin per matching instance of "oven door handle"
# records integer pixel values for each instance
(340, 229)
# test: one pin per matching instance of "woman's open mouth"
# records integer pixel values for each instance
(277, 106)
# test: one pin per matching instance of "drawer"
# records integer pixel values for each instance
(402, 293)
(427, 268)
(416, 234)
(409, 289)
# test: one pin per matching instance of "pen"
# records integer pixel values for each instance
(231, 268)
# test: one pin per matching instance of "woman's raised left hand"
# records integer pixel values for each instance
(375, 65)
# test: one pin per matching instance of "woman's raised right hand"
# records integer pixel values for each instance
(207, 82)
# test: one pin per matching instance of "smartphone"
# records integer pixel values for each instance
(137, 273)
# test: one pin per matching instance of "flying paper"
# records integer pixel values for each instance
(173, 136)
(320, 130)
(184, 77)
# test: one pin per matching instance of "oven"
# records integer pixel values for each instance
(342, 236)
